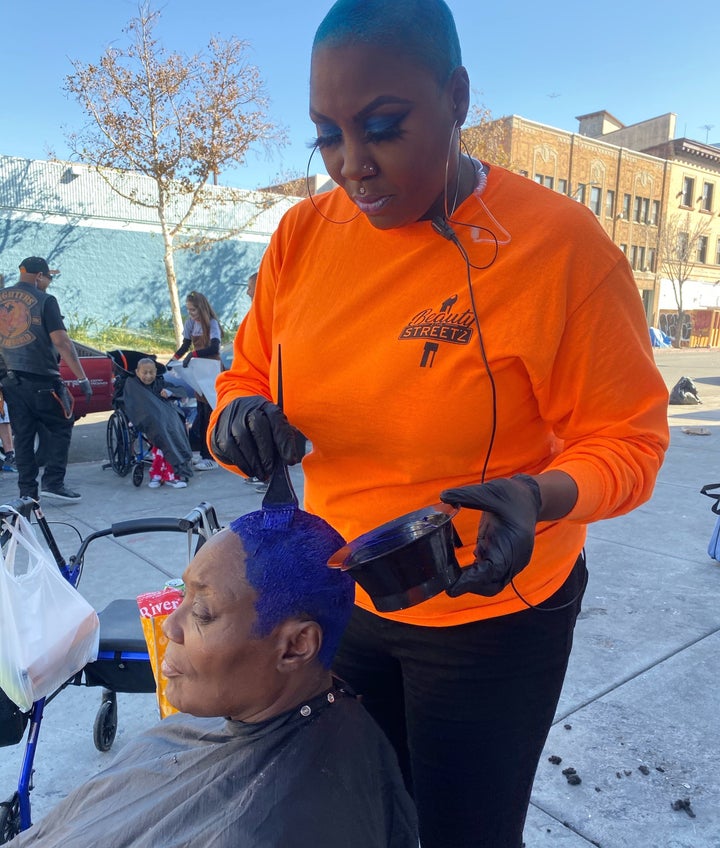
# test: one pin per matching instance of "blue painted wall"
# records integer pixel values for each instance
(113, 274)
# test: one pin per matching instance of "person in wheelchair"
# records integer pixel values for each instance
(161, 471)
(269, 750)
(143, 395)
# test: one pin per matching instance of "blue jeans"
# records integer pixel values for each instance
(467, 709)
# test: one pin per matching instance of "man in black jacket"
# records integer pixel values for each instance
(32, 339)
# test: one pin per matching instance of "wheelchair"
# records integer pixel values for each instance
(128, 449)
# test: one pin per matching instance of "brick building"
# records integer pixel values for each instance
(639, 181)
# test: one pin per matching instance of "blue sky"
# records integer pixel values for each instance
(548, 62)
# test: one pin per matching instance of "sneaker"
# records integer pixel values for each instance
(177, 484)
(62, 493)
(9, 462)
(204, 465)
(155, 483)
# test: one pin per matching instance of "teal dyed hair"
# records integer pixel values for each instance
(423, 30)
(288, 570)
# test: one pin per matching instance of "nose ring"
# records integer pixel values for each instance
(370, 168)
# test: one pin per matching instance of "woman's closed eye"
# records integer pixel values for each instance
(201, 614)
(376, 130)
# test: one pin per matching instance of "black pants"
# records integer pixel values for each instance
(198, 431)
(30, 404)
(468, 710)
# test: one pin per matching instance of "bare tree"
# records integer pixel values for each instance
(485, 137)
(680, 242)
(179, 120)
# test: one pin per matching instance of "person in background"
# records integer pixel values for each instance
(32, 338)
(8, 451)
(449, 330)
(161, 471)
(202, 332)
(251, 283)
(269, 750)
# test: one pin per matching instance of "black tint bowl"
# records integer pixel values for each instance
(406, 561)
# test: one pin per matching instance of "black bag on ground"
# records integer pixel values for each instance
(684, 392)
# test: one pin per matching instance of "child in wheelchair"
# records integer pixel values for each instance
(161, 471)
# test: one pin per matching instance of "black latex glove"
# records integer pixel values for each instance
(506, 535)
(249, 433)
(86, 389)
(188, 358)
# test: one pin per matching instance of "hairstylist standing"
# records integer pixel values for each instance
(447, 327)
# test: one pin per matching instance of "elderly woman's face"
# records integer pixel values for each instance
(213, 664)
(385, 123)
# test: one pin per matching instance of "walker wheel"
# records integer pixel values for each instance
(9, 819)
(105, 726)
(138, 472)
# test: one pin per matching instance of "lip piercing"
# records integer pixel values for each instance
(362, 190)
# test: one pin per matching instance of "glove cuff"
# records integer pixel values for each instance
(531, 484)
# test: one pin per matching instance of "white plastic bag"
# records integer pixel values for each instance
(48, 631)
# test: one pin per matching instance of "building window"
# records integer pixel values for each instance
(717, 253)
(707, 197)
(609, 203)
(562, 186)
(544, 180)
(596, 200)
(623, 247)
(702, 249)
(641, 210)
(683, 243)
(688, 191)
(636, 210)
(523, 173)
(655, 212)
(633, 256)
(627, 200)
(652, 258)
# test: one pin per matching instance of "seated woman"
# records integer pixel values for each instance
(161, 470)
(144, 397)
(283, 756)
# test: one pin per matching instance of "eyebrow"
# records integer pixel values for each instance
(382, 100)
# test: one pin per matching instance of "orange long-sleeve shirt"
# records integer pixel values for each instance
(383, 369)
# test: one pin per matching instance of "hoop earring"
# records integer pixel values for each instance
(448, 211)
(310, 195)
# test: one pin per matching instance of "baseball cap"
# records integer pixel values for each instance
(35, 265)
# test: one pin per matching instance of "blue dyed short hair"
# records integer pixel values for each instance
(423, 30)
(288, 570)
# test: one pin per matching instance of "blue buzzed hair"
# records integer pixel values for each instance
(423, 30)
(287, 568)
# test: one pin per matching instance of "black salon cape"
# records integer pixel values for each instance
(161, 424)
(326, 780)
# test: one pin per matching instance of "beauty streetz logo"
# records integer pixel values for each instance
(435, 326)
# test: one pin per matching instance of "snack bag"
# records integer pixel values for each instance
(154, 608)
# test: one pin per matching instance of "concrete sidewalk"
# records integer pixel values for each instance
(639, 718)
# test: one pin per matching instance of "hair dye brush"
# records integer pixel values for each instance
(280, 502)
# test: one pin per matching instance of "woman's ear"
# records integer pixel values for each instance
(299, 643)
(459, 87)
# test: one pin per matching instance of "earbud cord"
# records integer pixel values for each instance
(442, 227)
